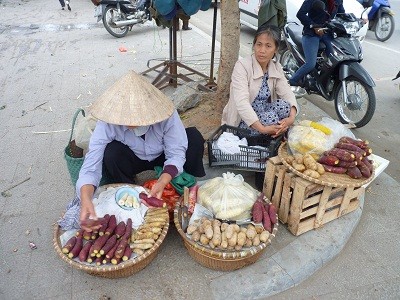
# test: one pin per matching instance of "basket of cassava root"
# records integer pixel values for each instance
(227, 246)
(116, 250)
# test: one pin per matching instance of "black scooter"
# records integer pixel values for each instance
(120, 15)
(341, 78)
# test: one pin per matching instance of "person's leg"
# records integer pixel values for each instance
(68, 6)
(185, 25)
(62, 4)
(194, 154)
(281, 108)
(310, 48)
(327, 40)
(122, 164)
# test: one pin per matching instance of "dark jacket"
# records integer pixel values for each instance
(308, 16)
(272, 12)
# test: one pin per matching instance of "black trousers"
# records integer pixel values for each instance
(121, 164)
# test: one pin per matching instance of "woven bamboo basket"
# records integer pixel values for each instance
(216, 259)
(327, 179)
(124, 268)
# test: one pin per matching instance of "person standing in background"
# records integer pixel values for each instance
(62, 2)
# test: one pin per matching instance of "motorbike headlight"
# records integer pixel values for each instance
(351, 27)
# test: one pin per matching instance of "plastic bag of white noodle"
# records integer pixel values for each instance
(228, 197)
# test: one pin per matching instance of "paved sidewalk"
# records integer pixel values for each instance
(53, 62)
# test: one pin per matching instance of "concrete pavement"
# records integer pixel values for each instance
(53, 62)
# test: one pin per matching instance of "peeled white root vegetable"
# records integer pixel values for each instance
(129, 201)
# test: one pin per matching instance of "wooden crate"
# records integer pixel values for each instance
(304, 205)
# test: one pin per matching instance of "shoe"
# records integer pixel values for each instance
(186, 28)
(62, 8)
(298, 91)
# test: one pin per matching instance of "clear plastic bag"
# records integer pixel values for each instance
(306, 139)
(228, 197)
(83, 131)
(338, 130)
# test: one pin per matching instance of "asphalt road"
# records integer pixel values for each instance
(381, 60)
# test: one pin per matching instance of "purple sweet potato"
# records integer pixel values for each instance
(341, 154)
(128, 230)
(69, 245)
(347, 164)
(364, 169)
(272, 213)
(354, 172)
(329, 160)
(349, 146)
(84, 253)
(99, 243)
(121, 248)
(77, 248)
(266, 220)
(127, 253)
(108, 245)
(120, 229)
(358, 143)
(104, 225)
(112, 223)
(257, 211)
(336, 170)
(110, 254)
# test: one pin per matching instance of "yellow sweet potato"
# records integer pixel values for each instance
(196, 236)
(264, 236)
(298, 167)
(298, 158)
(229, 231)
(256, 240)
(311, 173)
(233, 240)
(191, 228)
(241, 238)
(309, 162)
(203, 239)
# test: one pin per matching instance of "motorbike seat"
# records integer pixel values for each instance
(295, 33)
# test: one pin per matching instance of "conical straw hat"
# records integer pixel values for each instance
(132, 101)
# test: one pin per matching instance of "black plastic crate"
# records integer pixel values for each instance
(250, 157)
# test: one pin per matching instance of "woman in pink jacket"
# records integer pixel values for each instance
(260, 97)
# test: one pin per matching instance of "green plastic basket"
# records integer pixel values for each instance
(74, 163)
(74, 156)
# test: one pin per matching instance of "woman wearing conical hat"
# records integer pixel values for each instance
(138, 129)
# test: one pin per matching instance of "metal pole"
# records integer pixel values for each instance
(211, 82)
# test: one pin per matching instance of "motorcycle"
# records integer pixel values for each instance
(340, 78)
(397, 76)
(120, 15)
(380, 18)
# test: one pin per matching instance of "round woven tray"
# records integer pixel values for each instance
(123, 269)
(216, 259)
(328, 178)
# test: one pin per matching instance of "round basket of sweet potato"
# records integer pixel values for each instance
(229, 245)
(117, 249)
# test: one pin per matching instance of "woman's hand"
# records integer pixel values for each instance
(283, 125)
(159, 186)
(157, 190)
(319, 31)
(87, 209)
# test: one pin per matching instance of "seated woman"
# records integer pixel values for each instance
(260, 97)
(138, 129)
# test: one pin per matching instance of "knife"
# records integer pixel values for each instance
(184, 212)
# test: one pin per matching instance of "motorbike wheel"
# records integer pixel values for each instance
(110, 15)
(288, 63)
(360, 105)
(384, 27)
